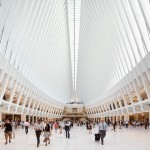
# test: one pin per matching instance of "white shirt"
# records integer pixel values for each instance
(62, 124)
(38, 126)
(67, 124)
(102, 126)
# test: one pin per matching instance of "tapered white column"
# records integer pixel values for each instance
(126, 118)
(3, 86)
(149, 116)
(23, 117)
(0, 116)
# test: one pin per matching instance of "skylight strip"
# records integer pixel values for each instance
(74, 23)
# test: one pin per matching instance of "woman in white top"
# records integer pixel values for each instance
(61, 126)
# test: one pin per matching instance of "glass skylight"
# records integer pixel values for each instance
(74, 25)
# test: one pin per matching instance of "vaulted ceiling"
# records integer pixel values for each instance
(82, 46)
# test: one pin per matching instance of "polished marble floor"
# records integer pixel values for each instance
(122, 139)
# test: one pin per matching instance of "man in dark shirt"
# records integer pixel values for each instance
(8, 131)
(67, 129)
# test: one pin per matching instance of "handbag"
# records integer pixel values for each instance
(45, 135)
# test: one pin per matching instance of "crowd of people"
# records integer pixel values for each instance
(40, 127)
(45, 128)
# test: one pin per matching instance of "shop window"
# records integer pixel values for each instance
(128, 100)
(122, 102)
(110, 107)
(4, 97)
(15, 100)
(144, 95)
(135, 99)
(21, 101)
(118, 104)
(114, 106)
(7, 96)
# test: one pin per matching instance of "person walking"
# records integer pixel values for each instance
(38, 127)
(120, 123)
(108, 122)
(146, 123)
(87, 125)
(102, 130)
(51, 128)
(56, 126)
(67, 129)
(26, 125)
(47, 134)
(71, 124)
(90, 128)
(22, 124)
(13, 129)
(16, 125)
(114, 126)
(61, 127)
(126, 124)
(8, 131)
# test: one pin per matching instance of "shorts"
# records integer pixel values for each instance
(46, 135)
(8, 134)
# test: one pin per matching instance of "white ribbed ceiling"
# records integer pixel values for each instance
(88, 47)
(35, 38)
(114, 37)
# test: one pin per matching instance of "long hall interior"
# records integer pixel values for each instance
(75, 73)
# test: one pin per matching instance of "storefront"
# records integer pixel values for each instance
(14, 117)
(139, 117)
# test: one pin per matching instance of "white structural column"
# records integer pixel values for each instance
(49, 109)
(3, 86)
(19, 96)
(137, 91)
(126, 118)
(0, 116)
(124, 99)
(34, 106)
(130, 97)
(119, 100)
(23, 117)
(146, 84)
(29, 103)
(13, 90)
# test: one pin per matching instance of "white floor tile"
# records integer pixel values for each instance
(122, 139)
